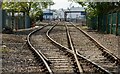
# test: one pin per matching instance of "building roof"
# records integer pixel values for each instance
(77, 9)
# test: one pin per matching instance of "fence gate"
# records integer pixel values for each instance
(119, 23)
(104, 23)
(113, 28)
(109, 23)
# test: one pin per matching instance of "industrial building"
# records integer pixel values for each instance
(74, 14)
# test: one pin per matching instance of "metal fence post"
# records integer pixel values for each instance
(111, 23)
(1, 20)
(117, 24)
(1, 39)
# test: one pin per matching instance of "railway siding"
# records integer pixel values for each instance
(92, 52)
(92, 67)
(59, 62)
(13, 53)
(60, 59)
(107, 40)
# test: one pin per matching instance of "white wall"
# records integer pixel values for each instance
(71, 15)
(76, 15)
(47, 16)
(60, 13)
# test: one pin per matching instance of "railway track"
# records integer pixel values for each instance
(56, 58)
(52, 59)
(95, 51)
(84, 65)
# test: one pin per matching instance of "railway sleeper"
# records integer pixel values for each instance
(83, 63)
(117, 63)
(66, 53)
(88, 64)
(75, 64)
(45, 70)
(70, 55)
(37, 58)
(111, 59)
(108, 57)
(79, 58)
(75, 69)
(104, 53)
(98, 70)
(41, 63)
(73, 60)
(43, 67)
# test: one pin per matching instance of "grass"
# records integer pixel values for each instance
(4, 50)
(84, 27)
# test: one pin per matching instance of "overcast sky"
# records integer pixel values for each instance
(63, 4)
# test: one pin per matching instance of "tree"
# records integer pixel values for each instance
(33, 9)
(0, 5)
(98, 9)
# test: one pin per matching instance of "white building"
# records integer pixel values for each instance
(74, 13)
(78, 13)
(49, 14)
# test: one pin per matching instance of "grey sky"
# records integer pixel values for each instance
(63, 4)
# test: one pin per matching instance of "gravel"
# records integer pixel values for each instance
(84, 45)
(110, 41)
(59, 34)
(12, 54)
(60, 63)
(16, 56)
(88, 49)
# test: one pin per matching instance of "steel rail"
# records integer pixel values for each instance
(73, 49)
(71, 52)
(43, 58)
(102, 48)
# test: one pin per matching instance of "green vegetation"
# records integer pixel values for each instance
(4, 50)
(0, 4)
(33, 9)
(99, 8)
(102, 16)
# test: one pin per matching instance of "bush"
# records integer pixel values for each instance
(7, 30)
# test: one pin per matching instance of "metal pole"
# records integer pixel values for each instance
(1, 19)
(49, 12)
(70, 13)
(0, 4)
(1, 34)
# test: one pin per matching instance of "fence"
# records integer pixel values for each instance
(15, 21)
(107, 23)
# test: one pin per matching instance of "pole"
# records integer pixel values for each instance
(49, 11)
(1, 19)
(1, 33)
(117, 23)
(70, 13)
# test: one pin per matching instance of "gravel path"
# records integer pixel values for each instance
(16, 57)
